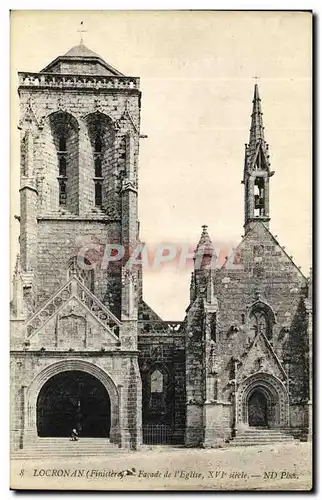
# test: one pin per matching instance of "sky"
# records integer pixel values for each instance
(197, 74)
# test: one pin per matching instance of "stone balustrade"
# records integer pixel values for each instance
(64, 81)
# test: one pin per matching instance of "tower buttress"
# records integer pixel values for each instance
(129, 229)
(256, 169)
(28, 197)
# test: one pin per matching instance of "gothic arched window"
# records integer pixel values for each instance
(261, 322)
(64, 132)
(101, 134)
(156, 382)
(157, 393)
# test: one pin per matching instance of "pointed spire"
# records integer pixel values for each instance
(205, 243)
(257, 127)
(205, 254)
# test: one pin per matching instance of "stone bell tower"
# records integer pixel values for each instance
(257, 171)
(80, 127)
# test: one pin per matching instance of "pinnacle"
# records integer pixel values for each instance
(204, 238)
(205, 242)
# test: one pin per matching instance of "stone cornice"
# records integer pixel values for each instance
(79, 218)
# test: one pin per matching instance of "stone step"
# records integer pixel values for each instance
(255, 443)
(67, 442)
(63, 447)
(264, 431)
(71, 445)
(268, 434)
(68, 452)
(32, 453)
(259, 437)
(282, 438)
(57, 455)
(268, 441)
(264, 436)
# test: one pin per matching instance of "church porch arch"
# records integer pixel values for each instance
(271, 397)
(71, 365)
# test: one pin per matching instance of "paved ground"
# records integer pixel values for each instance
(272, 467)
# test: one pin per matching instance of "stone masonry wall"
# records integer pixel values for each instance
(166, 354)
(270, 274)
(59, 240)
(121, 107)
(120, 367)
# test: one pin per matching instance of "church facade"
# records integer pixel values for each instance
(87, 352)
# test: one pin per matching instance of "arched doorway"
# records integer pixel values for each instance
(262, 401)
(73, 399)
(257, 409)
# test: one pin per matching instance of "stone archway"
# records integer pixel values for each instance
(34, 391)
(73, 400)
(262, 401)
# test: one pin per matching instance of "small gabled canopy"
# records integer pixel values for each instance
(82, 61)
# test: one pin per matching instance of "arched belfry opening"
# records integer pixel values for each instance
(63, 157)
(101, 136)
(73, 400)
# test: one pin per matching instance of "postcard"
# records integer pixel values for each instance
(161, 312)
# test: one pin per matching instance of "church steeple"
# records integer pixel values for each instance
(256, 169)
